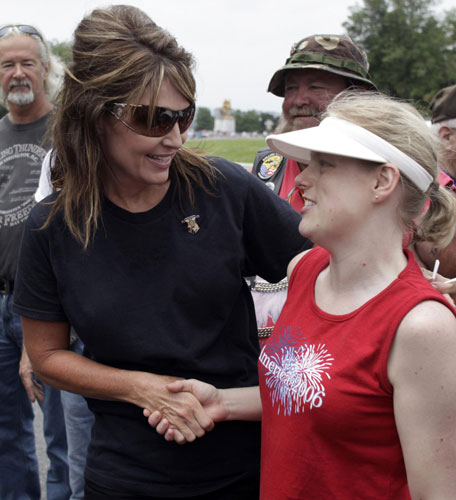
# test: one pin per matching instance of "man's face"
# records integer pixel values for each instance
(448, 152)
(307, 93)
(22, 74)
(451, 152)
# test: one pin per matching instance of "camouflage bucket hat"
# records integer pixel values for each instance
(336, 54)
(443, 105)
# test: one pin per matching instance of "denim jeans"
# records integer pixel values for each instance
(19, 478)
(78, 423)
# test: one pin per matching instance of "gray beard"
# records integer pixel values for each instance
(21, 98)
(283, 125)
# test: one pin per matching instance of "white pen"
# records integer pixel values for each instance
(436, 268)
(450, 281)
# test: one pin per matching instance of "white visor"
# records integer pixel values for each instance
(340, 137)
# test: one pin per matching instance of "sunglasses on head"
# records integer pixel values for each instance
(23, 28)
(163, 120)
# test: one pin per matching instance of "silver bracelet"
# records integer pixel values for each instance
(265, 332)
(264, 287)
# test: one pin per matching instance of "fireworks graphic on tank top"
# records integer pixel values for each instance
(295, 372)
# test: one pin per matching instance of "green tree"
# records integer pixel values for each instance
(62, 49)
(411, 51)
(204, 120)
(247, 121)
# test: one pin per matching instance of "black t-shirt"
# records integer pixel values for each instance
(151, 295)
(21, 154)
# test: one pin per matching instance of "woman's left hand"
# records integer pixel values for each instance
(33, 388)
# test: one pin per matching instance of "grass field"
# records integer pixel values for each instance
(238, 150)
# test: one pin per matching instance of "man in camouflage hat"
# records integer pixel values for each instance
(319, 67)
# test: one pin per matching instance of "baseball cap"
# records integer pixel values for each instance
(336, 54)
(443, 105)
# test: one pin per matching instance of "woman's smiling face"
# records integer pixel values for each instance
(337, 195)
(134, 160)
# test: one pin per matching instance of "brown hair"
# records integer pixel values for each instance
(119, 54)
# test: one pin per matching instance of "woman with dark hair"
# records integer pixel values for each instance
(143, 249)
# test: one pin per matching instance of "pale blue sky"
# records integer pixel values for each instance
(238, 44)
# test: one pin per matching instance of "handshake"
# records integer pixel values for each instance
(188, 409)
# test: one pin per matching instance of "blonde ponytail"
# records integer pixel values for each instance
(438, 223)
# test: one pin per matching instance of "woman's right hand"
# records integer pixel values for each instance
(181, 410)
(447, 287)
(47, 345)
(208, 396)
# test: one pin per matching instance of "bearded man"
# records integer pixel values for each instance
(318, 68)
(29, 77)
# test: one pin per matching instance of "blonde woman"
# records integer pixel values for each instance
(357, 385)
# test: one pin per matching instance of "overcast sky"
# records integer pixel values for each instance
(238, 44)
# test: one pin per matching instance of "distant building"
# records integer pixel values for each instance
(225, 122)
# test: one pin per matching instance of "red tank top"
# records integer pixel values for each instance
(288, 190)
(328, 422)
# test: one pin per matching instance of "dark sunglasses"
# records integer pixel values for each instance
(163, 120)
(24, 28)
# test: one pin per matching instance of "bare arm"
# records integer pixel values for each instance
(47, 347)
(243, 403)
(421, 370)
(239, 403)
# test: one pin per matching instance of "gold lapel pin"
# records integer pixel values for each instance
(192, 225)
